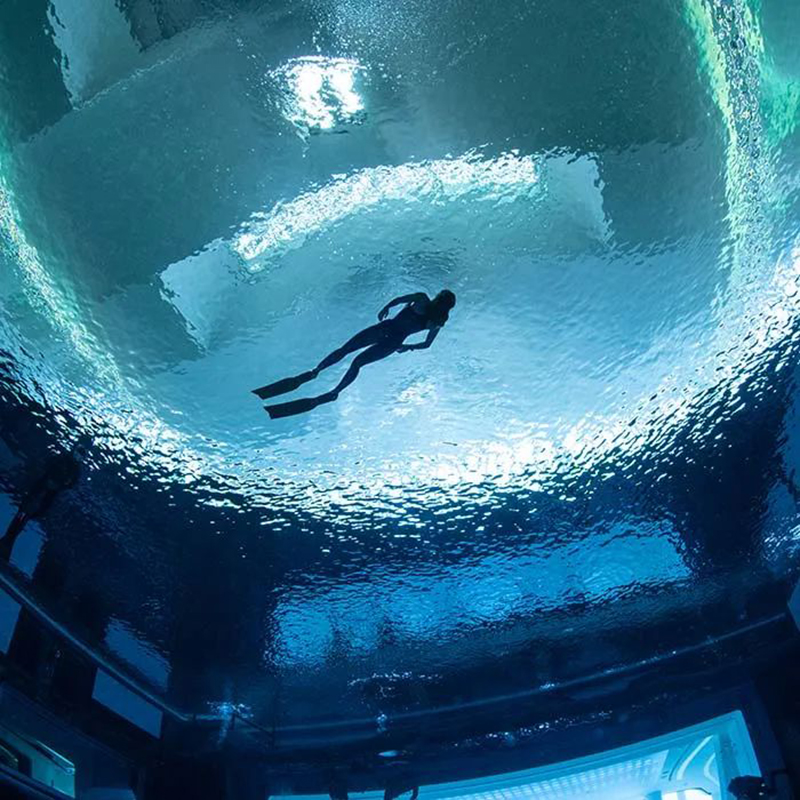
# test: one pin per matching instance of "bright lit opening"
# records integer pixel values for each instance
(695, 763)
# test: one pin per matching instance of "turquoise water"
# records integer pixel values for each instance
(201, 200)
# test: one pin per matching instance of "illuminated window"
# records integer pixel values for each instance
(683, 765)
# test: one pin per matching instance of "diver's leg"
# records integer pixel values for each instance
(362, 339)
(375, 353)
(365, 338)
(285, 385)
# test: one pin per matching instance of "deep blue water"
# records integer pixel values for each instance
(594, 463)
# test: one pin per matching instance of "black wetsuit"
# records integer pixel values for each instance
(387, 335)
(404, 323)
(380, 340)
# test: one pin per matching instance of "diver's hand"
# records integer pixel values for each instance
(383, 313)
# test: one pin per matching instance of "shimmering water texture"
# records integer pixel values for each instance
(593, 464)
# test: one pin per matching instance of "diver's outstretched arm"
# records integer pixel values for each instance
(416, 297)
(432, 334)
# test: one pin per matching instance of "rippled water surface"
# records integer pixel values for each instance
(198, 198)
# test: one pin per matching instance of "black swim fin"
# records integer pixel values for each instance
(294, 407)
(285, 385)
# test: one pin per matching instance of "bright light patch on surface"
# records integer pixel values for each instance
(321, 91)
(290, 224)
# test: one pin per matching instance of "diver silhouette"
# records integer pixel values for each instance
(59, 473)
(419, 313)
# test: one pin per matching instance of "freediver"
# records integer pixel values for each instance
(419, 313)
(59, 473)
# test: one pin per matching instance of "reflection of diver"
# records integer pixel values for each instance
(59, 473)
(420, 313)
